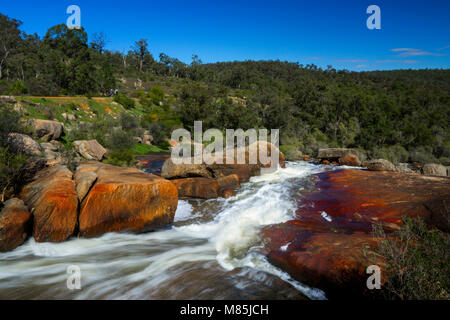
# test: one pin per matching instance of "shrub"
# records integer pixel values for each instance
(120, 140)
(10, 165)
(126, 102)
(120, 158)
(394, 154)
(127, 121)
(291, 152)
(9, 122)
(418, 262)
(422, 155)
(156, 94)
(18, 88)
(159, 132)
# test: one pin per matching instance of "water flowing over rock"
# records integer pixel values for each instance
(90, 150)
(14, 224)
(46, 130)
(125, 199)
(328, 245)
(54, 203)
(379, 165)
(21, 143)
(434, 169)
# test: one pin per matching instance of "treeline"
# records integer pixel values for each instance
(400, 115)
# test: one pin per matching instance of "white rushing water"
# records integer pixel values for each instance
(211, 251)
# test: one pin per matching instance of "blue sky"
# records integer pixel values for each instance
(414, 34)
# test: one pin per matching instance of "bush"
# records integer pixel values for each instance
(18, 88)
(394, 154)
(418, 262)
(156, 94)
(127, 121)
(10, 165)
(159, 132)
(120, 140)
(291, 152)
(9, 122)
(126, 102)
(422, 155)
(120, 158)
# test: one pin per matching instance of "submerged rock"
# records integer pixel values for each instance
(15, 224)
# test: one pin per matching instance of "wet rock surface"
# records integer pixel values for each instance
(326, 245)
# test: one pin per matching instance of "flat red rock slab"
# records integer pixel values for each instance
(329, 244)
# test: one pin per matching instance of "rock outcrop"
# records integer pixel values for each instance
(434, 169)
(52, 198)
(351, 161)
(90, 150)
(379, 165)
(336, 153)
(23, 144)
(46, 130)
(170, 170)
(14, 224)
(125, 199)
(208, 169)
(329, 245)
(201, 188)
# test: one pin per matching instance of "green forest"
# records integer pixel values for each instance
(400, 115)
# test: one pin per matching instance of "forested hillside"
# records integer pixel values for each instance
(400, 115)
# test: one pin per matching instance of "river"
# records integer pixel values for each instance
(212, 251)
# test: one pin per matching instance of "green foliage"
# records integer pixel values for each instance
(18, 88)
(156, 94)
(9, 122)
(382, 112)
(126, 102)
(120, 140)
(10, 165)
(120, 158)
(142, 149)
(418, 262)
(127, 121)
(290, 152)
(159, 132)
(394, 154)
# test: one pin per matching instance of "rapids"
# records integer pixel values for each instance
(212, 251)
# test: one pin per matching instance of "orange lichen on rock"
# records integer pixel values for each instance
(53, 201)
(125, 199)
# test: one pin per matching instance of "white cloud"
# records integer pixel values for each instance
(411, 52)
